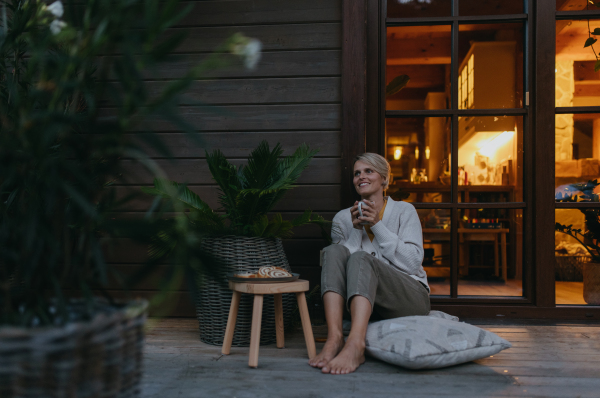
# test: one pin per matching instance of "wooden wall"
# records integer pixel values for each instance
(293, 96)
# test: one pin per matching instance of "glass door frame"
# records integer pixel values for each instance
(363, 118)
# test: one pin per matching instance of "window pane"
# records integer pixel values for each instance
(576, 82)
(570, 259)
(490, 7)
(421, 54)
(577, 156)
(418, 150)
(418, 8)
(436, 242)
(575, 5)
(490, 66)
(490, 252)
(490, 159)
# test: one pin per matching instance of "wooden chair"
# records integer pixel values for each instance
(259, 290)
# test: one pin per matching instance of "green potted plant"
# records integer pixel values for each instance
(71, 88)
(589, 238)
(240, 234)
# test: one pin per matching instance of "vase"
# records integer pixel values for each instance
(591, 283)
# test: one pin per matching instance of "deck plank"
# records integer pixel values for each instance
(552, 360)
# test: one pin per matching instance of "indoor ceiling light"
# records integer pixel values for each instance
(397, 152)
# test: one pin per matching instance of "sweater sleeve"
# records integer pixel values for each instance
(343, 233)
(404, 250)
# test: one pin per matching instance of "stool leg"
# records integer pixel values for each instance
(279, 320)
(306, 327)
(496, 262)
(233, 311)
(255, 333)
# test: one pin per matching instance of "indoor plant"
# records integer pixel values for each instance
(589, 238)
(241, 235)
(65, 109)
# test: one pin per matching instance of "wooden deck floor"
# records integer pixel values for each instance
(547, 360)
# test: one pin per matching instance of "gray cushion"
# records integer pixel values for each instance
(429, 342)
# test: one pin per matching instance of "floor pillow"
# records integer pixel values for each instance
(347, 324)
(429, 342)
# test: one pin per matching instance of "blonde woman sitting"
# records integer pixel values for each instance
(373, 271)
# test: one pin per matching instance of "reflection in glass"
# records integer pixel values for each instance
(490, 252)
(418, 150)
(436, 244)
(489, 54)
(571, 258)
(490, 7)
(570, 5)
(490, 159)
(422, 54)
(576, 82)
(418, 8)
(577, 156)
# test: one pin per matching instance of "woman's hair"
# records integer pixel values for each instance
(379, 164)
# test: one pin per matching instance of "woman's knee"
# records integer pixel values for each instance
(335, 254)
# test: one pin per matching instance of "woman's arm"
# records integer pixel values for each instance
(343, 232)
(405, 249)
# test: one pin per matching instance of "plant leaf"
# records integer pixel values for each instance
(590, 41)
(397, 84)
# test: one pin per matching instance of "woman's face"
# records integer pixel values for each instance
(366, 180)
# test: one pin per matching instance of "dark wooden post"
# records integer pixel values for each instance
(354, 90)
(543, 152)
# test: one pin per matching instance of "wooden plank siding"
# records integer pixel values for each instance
(292, 97)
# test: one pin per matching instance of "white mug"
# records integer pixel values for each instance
(360, 205)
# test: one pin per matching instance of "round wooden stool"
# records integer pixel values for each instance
(259, 290)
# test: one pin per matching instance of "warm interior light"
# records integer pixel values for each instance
(417, 153)
(397, 152)
(489, 147)
(427, 152)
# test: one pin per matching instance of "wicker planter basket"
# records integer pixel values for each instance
(240, 254)
(97, 358)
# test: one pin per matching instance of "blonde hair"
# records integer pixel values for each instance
(379, 164)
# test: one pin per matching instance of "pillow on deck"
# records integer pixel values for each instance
(427, 342)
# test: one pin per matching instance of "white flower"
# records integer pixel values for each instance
(56, 9)
(249, 51)
(56, 26)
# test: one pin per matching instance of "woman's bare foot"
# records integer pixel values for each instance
(348, 360)
(332, 347)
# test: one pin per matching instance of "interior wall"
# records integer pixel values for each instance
(293, 96)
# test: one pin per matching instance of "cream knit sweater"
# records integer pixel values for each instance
(398, 238)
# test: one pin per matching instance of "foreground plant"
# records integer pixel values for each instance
(71, 88)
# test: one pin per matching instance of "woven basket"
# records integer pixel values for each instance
(569, 268)
(240, 254)
(97, 358)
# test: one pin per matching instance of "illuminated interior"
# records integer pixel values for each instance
(577, 146)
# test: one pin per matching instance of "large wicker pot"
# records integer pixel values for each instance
(240, 254)
(101, 357)
(591, 283)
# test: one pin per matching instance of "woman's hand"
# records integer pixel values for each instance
(355, 216)
(370, 215)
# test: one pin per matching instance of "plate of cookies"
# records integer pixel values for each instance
(266, 274)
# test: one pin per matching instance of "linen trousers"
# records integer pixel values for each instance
(391, 292)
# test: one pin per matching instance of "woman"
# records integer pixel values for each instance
(373, 270)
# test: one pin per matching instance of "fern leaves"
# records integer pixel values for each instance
(246, 194)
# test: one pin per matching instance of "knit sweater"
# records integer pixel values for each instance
(398, 238)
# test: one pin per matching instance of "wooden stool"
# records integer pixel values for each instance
(259, 290)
